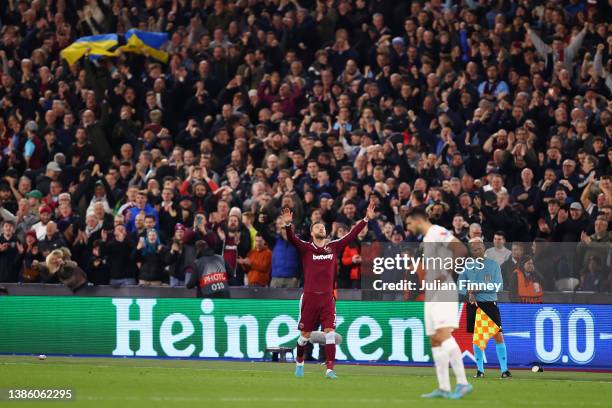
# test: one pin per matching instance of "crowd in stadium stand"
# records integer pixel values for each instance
(494, 116)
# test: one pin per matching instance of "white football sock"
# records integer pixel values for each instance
(441, 361)
(452, 350)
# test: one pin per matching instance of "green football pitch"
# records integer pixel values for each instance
(106, 382)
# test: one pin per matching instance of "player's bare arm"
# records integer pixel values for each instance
(352, 234)
(287, 217)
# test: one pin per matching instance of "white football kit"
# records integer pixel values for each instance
(441, 306)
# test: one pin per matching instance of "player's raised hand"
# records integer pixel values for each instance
(287, 215)
(370, 212)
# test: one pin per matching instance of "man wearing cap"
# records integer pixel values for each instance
(398, 52)
(34, 198)
(165, 142)
(571, 228)
(52, 173)
(44, 212)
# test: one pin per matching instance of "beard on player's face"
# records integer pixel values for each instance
(412, 227)
(319, 232)
(319, 235)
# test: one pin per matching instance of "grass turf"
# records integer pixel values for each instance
(106, 382)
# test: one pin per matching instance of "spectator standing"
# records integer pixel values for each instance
(526, 283)
(285, 270)
(10, 253)
(498, 252)
(40, 227)
(141, 206)
(118, 253)
(507, 268)
(150, 254)
(349, 275)
(180, 257)
(258, 263)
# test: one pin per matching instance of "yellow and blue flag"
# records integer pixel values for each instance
(141, 42)
(109, 45)
(94, 45)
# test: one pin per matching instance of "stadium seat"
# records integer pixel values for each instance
(567, 284)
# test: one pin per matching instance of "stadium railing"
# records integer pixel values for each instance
(41, 289)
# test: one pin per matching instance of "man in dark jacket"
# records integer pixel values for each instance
(52, 240)
(121, 267)
(96, 135)
(569, 229)
(9, 253)
(208, 273)
(508, 267)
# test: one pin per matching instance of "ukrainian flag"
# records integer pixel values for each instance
(95, 45)
(109, 45)
(141, 42)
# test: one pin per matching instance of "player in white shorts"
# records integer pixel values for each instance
(439, 315)
(441, 305)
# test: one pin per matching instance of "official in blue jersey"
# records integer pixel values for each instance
(487, 272)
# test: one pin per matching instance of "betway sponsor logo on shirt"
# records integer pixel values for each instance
(327, 257)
